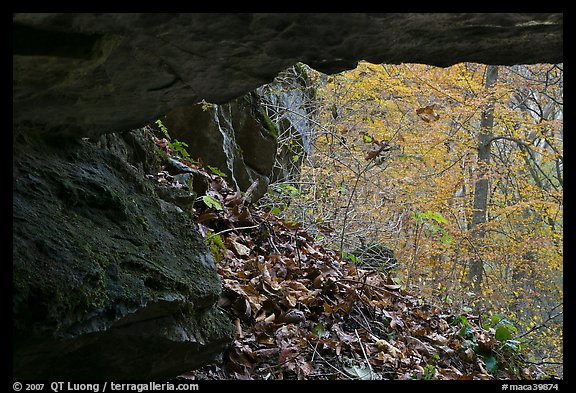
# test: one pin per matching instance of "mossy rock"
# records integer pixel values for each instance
(375, 255)
(102, 274)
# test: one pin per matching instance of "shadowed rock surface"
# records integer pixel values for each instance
(88, 74)
(110, 281)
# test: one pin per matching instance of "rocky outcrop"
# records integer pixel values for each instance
(235, 138)
(88, 74)
(240, 138)
(110, 280)
(290, 102)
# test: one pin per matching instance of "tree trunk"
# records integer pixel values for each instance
(481, 186)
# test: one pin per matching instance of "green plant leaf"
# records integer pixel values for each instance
(289, 189)
(439, 218)
(513, 345)
(212, 202)
(319, 330)
(446, 238)
(352, 258)
(429, 372)
(466, 331)
(509, 325)
(215, 245)
(460, 319)
(367, 138)
(216, 171)
(502, 333)
(491, 363)
(163, 128)
(178, 146)
(496, 318)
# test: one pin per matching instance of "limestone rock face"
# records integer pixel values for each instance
(290, 103)
(110, 281)
(240, 138)
(88, 74)
(229, 137)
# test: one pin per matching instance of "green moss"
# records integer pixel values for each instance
(91, 244)
(301, 71)
(267, 123)
(214, 323)
(160, 156)
(216, 246)
(142, 220)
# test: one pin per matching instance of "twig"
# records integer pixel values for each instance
(289, 359)
(229, 230)
(347, 210)
(273, 244)
(543, 363)
(329, 364)
(314, 349)
(365, 356)
(296, 243)
(543, 324)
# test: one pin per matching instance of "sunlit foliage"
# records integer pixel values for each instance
(395, 161)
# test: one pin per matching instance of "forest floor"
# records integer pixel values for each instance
(303, 312)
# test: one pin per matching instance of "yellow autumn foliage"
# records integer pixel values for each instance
(395, 161)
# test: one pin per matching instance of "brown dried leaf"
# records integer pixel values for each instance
(486, 342)
(450, 373)
(423, 348)
(306, 368)
(242, 308)
(290, 300)
(343, 336)
(242, 356)
(381, 147)
(437, 339)
(270, 318)
(206, 217)
(233, 199)
(240, 249)
(218, 184)
(372, 154)
(266, 353)
(427, 113)
(286, 358)
(296, 287)
(443, 325)
(240, 214)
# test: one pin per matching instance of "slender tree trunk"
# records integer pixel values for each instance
(481, 186)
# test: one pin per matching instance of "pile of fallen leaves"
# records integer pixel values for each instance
(302, 312)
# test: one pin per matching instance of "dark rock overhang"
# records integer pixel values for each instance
(88, 74)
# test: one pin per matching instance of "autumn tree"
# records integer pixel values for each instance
(481, 186)
(458, 170)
